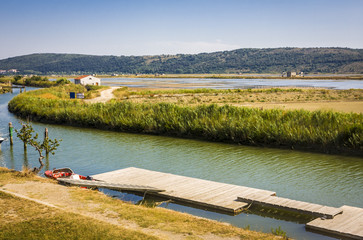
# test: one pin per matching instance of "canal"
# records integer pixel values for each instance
(318, 178)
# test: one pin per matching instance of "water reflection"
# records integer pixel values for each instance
(26, 162)
(12, 161)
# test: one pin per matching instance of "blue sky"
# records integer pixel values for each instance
(141, 27)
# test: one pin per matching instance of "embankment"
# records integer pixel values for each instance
(322, 131)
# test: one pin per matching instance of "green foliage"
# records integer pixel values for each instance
(26, 135)
(323, 131)
(94, 87)
(17, 78)
(279, 232)
(37, 81)
(62, 81)
(267, 60)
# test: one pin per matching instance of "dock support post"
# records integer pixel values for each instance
(46, 139)
(11, 133)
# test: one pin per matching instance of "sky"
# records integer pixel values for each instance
(152, 27)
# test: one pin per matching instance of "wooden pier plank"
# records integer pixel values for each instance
(101, 184)
(348, 224)
(208, 192)
(193, 190)
(291, 205)
(346, 221)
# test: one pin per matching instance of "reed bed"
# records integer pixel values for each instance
(323, 131)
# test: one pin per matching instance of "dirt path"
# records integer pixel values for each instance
(106, 95)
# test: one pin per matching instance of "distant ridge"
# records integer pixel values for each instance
(245, 60)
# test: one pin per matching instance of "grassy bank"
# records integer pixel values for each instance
(4, 84)
(311, 99)
(4, 88)
(322, 131)
(88, 214)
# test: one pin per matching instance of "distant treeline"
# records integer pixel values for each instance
(321, 131)
(269, 60)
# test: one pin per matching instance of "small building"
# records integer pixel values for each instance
(291, 74)
(87, 80)
(12, 71)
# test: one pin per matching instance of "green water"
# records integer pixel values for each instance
(318, 178)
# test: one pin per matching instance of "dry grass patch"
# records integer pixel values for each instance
(164, 219)
(48, 96)
(23, 219)
(11, 176)
(285, 97)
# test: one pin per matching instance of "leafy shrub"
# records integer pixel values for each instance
(62, 81)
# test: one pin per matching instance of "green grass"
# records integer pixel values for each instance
(313, 130)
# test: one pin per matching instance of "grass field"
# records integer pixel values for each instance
(281, 98)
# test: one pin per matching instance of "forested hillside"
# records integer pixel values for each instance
(269, 60)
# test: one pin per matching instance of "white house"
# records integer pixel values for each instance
(87, 80)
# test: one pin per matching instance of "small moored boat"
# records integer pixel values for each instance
(64, 173)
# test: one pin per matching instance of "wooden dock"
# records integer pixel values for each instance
(349, 224)
(315, 210)
(199, 192)
(345, 221)
(112, 186)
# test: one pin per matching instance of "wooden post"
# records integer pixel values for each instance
(46, 133)
(21, 90)
(46, 138)
(11, 133)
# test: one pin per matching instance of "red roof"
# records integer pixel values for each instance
(80, 77)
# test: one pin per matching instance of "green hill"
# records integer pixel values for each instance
(269, 60)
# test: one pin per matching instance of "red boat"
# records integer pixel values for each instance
(64, 173)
